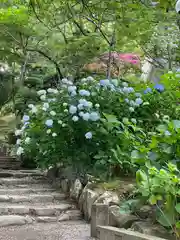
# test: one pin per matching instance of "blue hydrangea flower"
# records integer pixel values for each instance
(131, 90)
(74, 93)
(86, 116)
(138, 95)
(88, 104)
(72, 89)
(80, 106)
(26, 118)
(167, 133)
(159, 87)
(84, 92)
(72, 109)
(148, 90)
(94, 116)
(49, 123)
(81, 114)
(138, 101)
(88, 135)
(82, 101)
(104, 82)
(126, 100)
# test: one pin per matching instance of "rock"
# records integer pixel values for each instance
(65, 185)
(52, 172)
(70, 215)
(151, 229)
(144, 212)
(109, 198)
(14, 220)
(76, 190)
(117, 219)
(46, 219)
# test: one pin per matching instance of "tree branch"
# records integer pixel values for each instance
(49, 58)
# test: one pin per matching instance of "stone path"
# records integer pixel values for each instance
(30, 209)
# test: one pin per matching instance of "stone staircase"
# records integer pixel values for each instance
(27, 197)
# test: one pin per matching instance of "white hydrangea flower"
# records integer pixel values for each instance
(48, 131)
(18, 141)
(124, 84)
(65, 104)
(27, 140)
(60, 122)
(31, 106)
(20, 151)
(54, 135)
(41, 92)
(65, 110)
(45, 106)
(90, 78)
(97, 105)
(18, 132)
(65, 80)
(43, 97)
(131, 109)
(52, 113)
(34, 110)
(75, 118)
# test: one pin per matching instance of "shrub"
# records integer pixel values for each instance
(91, 125)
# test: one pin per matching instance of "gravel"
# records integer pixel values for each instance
(71, 230)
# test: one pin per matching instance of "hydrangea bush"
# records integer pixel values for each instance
(90, 125)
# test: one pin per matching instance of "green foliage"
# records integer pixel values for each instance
(162, 148)
(161, 188)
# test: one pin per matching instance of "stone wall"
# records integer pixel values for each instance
(101, 208)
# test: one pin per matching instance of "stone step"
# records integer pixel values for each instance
(32, 198)
(18, 174)
(10, 220)
(68, 215)
(36, 209)
(23, 191)
(26, 180)
(35, 186)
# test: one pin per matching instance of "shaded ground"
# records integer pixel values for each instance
(76, 230)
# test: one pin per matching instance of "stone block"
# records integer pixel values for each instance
(65, 185)
(113, 233)
(99, 216)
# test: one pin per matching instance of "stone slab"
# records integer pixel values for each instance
(113, 233)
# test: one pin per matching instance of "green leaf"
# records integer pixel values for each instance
(111, 118)
(162, 128)
(153, 199)
(177, 207)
